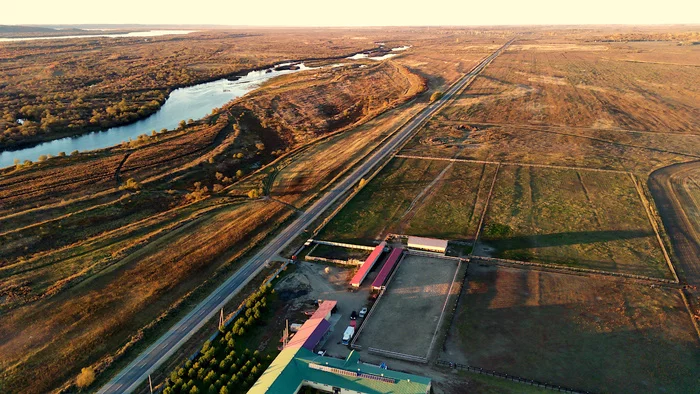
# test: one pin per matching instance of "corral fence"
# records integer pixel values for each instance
(342, 245)
(512, 378)
(353, 343)
(397, 355)
(456, 304)
(578, 270)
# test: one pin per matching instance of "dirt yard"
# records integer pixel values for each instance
(593, 334)
(405, 318)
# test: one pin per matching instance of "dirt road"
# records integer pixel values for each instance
(676, 192)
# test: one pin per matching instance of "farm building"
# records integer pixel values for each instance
(388, 266)
(429, 244)
(367, 265)
(298, 366)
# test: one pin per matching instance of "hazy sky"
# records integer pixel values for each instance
(350, 12)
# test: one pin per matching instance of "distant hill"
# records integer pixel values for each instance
(24, 29)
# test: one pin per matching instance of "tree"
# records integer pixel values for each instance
(239, 174)
(254, 193)
(182, 124)
(436, 96)
(42, 158)
(260, 146)
(85, 378)
(74, 153)
(131, 184)
(194, 390)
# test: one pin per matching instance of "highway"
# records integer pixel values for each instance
(136, 373)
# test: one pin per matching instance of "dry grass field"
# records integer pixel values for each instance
(582, 86)
(380, 206)
(90, 254)
(405, 319)
(592, 334)
(576, 218)
(638, 152)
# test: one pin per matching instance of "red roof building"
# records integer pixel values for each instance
(387, 268)
(367, 265)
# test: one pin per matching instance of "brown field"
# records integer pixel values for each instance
(553, 145)
(592, 334)
(576, 218)
(74, 236)
(584, 87)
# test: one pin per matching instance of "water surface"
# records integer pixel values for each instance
(194, 102)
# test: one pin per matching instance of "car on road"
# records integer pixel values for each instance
(353, 315)
(363, 312)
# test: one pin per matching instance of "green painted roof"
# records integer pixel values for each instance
(292, 366)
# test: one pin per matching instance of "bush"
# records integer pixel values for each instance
(436, 96)
(85, 378)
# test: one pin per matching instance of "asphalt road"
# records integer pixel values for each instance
(136, 373)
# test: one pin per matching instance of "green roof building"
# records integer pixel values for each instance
(297, 366)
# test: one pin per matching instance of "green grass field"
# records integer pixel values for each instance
(576, 218)
(582, 333)
(407, 198)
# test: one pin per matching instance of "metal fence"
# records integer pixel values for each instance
(505, 376)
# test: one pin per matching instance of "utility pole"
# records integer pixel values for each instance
(221, 320)
(150, 383)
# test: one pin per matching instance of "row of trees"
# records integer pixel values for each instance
(226, 365)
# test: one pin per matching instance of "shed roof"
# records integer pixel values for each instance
(367, 265)
(429, 242)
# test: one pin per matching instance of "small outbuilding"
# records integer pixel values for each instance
(429, 244)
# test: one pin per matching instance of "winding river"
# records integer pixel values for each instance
(194, 102)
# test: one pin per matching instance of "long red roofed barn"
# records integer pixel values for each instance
(367, 265)
(388, 266)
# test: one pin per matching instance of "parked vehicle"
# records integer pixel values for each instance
(363, 312)
(353, 315)
(348, 334)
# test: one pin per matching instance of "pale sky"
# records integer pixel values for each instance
(350, 12)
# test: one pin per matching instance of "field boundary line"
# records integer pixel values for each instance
(510, 163)
(653, 223)
(486, 207)
(501, 375)
(551, 126)
(690, 312)
(397, 355)
(444, 307)
(576, 270)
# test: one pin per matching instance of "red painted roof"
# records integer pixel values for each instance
(310, 327)
(386, 269)
(367, 265)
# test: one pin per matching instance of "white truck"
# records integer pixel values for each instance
(347, 335)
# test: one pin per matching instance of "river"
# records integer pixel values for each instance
(150, 33)
(194, 102)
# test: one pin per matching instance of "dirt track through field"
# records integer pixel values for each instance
(679, 212)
